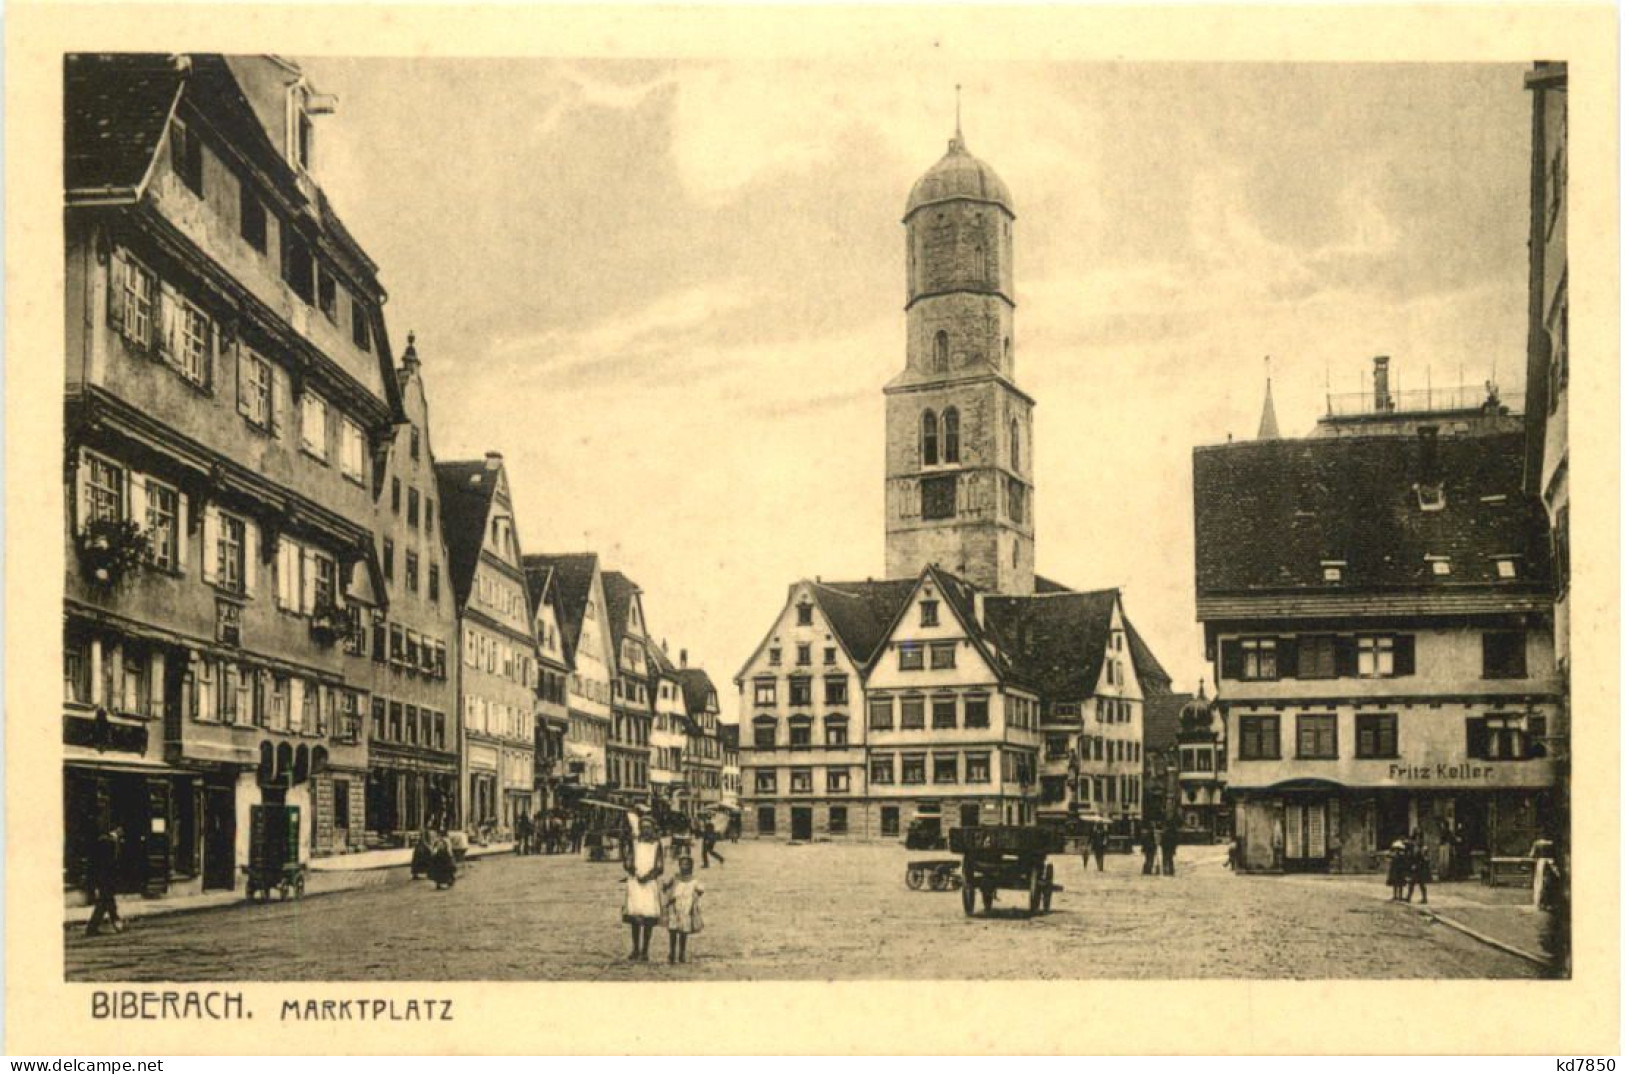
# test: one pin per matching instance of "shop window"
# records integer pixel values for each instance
(1317, 737)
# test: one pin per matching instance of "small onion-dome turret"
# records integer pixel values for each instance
(1197, 713)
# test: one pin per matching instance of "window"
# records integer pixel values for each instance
(913, 714)
(835, 690)
(1015, 443)
(104, 490)
(298, 267)
(411, 507)
(163, 529)
(137, 293)
(1317, 737)
(803, 655)
(837, 781)
(891, 819)
(913, 768)
(1439, 565)
(837, 815)
(928, 438)
(76, 670)
(881, 769)
(1506, 737)
(230, 543)
(880, 713)
(395, 495)
(360, 325)
(251, 218)
(1017, 507)
(764, 734)
(978, 768)
(1506, 568)
(835, 731)
(928, 613)
(352, 450)
(911, 656)
(942, 654)
(829, 655)
(775, 656)
(1260, 738)
(327, 298)
(1375, 657)
(766, 820)
(1505, 655)
(1331, 571)
(1258, 659)
(186, 156)
(939, 353)
(801, 781)
(804, 614)
(194, 355)
(253, 387)
(976, 711)
(937, 496)
(1376, 735)
(428, 515)
(1317, 657)
(434, 581)
(389, 560)
(944, 713)
(412, 572)
(950, 435)
(801, 692)
(945, 768)
(313, 425)
(1055, 747)
(800, 733)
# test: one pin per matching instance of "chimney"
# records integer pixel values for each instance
(1380, 397)
(682, 658)
(493, 460)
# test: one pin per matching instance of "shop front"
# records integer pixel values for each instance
(406, 794)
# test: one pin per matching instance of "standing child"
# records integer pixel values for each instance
(683, 909)
(1398, 863)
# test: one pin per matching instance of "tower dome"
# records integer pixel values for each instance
(958, 175)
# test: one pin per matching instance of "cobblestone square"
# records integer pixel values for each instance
(820, 911)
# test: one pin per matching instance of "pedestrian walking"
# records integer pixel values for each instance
(104, 858)
(644, 862)
(708, 846)
(1420, 870)
(1170, 844)
(521, 833)
(578, 833)
(683, 918)
(1148, 849)
(1097, 846)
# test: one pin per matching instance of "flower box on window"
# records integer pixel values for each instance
(109, 548)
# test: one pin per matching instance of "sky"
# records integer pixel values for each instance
(669, 293)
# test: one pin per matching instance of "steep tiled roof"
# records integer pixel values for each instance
(697, 687)
(1147, 668)
(1054, 642)
(1048, 585)
(1268, 513)
(729, 734)
(572, 574)
(860, 613)
(661, 664)
(618, 592)
(466, 490)
(115, 108)
(1162, 720)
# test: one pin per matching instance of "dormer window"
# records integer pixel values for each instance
(1430, 497)
(186, 156)
(1506, 567)
(1331, 570)
(1439, 565)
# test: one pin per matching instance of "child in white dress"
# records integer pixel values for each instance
(683, 909)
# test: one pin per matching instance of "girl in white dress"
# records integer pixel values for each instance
(644, 861)
(683, 918)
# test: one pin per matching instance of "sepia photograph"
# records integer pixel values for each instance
(708, 516)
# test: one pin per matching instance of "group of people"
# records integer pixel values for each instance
(657, 894)
(1157, 847)
(1409, 867)
(434, 856)
(549, 832)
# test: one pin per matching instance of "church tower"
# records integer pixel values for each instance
(959, 433)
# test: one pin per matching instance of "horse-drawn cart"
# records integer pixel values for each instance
(1009, 858)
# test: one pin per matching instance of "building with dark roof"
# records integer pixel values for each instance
(1378, 611)
(229, 385)
(585, 642)
(632, 708)
(496, 645)
(552, 679)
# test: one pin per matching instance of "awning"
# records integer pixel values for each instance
(78, 757)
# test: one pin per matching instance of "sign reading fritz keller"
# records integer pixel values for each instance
(1421, 773)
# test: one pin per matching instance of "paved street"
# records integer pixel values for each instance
(819, 911)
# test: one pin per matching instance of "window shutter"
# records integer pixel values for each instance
(1286, 658)
(307, 581)
(183, 529)
(251, 556)
(1348, 658)
(296, 704)
(278, 381)
(287, 573)
(1230, 659)
(82, 491)
(243, 371)
(168, 315)
(211, 542)
(1405, 654)
(1477, 746)
(115, 291)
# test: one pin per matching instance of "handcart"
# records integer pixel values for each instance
(939, 874)
(273, 853)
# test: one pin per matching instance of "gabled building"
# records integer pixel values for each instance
(413, 729)
(631, 706)
(585, 635)
(668, 736)
(1378, 610)
(497, 666)
(703, 754)
(552, 679)
(228, 383)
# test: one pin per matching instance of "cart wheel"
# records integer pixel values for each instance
(916, 878)
(1049, 886)
(1035, 890)
(939, 880)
